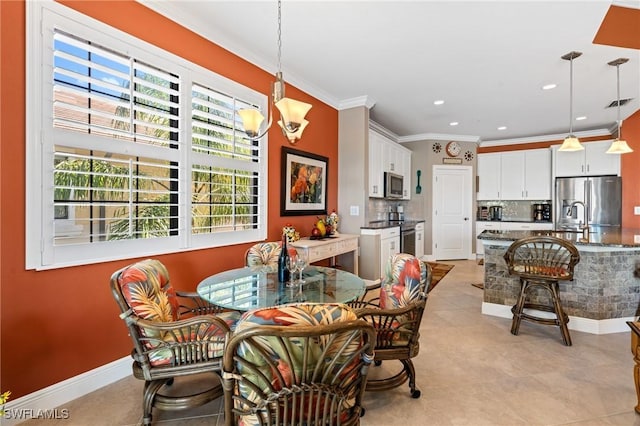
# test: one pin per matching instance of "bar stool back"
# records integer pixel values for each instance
(540, 262)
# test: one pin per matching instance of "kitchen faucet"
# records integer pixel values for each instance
(585, 226)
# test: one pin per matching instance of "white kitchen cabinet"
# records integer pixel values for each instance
(515, 175)
(376, 246)
(592, 161)
(537, 174)
(420, 240)
(488, 176)
(483, 226)
(406, 183)
(376, 168)
(511, 170)
(387, 156)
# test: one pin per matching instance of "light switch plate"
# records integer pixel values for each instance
(354, 210)
(636, 210)
(636, 239)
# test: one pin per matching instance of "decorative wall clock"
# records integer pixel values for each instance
(436, 147)
(453, 149)
(468, 155)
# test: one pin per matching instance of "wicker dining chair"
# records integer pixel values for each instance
(396, 315)
(171, 339)
(298, 364)
(541, 262)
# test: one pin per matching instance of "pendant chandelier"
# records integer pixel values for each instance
(292, 112)
(619, 145)
(571, 143)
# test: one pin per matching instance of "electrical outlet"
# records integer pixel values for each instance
(354, 211)
(636, 210)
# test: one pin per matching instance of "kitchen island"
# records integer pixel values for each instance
(605, 292)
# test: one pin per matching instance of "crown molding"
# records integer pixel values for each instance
(545, 138)
(356, 102)
(439, 137)
(383, 130)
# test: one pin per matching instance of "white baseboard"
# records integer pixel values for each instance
(586, 325)
(60, 393)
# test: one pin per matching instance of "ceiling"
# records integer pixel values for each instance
(488, 61)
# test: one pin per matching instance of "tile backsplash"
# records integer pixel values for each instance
(514, 210)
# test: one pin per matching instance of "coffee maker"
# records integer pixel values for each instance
(495, 213)
(537, 212)
(542, 212)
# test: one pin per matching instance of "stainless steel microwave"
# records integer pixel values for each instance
(393, 184)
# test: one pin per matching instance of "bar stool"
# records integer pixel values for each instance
(541, 262)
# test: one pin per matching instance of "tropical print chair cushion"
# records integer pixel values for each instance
(146, 287)
(302, 314)
(404, 281)
(266, 254)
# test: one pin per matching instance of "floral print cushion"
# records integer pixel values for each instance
(266, 254)
(146, 287)
(302, 314)
(404, 281)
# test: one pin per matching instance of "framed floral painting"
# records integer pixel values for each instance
(304, 183)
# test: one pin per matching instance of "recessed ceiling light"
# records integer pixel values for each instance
(581, 118)
(549, 86)
(502, 128)
(453, 123)
(438, 102)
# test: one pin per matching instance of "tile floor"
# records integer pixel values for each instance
(470, 369)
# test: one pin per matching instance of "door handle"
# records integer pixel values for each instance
(466, 218)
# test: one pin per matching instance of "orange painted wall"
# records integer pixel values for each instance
(60, 323)
(631, 172)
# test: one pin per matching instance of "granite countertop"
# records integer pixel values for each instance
(599, 236)
(382, 224)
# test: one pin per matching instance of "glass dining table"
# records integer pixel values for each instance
(248, 288)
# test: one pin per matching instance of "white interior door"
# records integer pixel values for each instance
(452, 199)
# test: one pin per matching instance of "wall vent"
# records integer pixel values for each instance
(622, 102)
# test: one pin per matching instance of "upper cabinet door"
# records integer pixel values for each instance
(537, 174)
(598, 162)
(406, 182)
(376, 168)
(592, 161)
(512, 167)
(569, 163)
(488, 176)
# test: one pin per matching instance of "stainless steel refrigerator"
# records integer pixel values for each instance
(600, 197)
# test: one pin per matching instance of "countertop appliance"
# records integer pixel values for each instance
(495, 213)
(542, 212)
(393, 185)
(596, 200)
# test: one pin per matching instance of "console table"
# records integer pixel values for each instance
(329, 248)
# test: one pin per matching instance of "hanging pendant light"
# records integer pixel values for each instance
(292, 112)
(619, 146)
(571, 143)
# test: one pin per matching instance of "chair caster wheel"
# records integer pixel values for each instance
(362, 411)
(415, 394)
(377, 363)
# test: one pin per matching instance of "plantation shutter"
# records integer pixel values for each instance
(103, 192)
(223, 198)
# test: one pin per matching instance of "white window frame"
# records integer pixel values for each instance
(42, 18)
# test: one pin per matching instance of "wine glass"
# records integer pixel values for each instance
(302, 262)
(292, 266)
